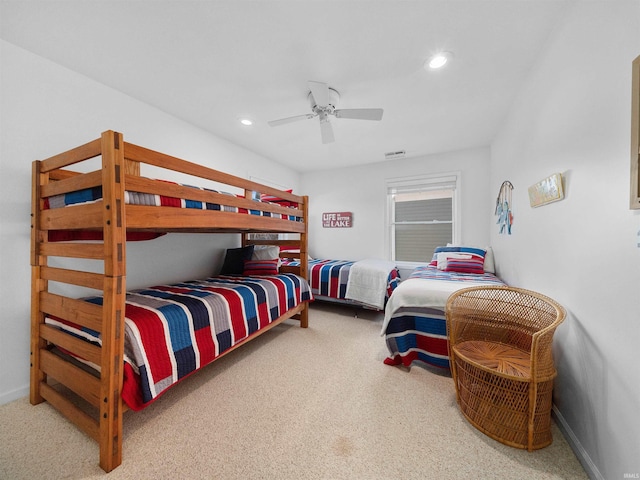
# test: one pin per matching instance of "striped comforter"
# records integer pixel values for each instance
(138, 198)
(173, 330)
(415, 326)
(329, 278)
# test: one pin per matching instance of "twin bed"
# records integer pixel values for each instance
(365, 283)
(414, 326)
(118, 349)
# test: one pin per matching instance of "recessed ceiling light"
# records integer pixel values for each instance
(437, 61)
(247, 122)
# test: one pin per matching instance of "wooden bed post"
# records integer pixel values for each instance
(304, 260)
(38, 284)
(113, 313)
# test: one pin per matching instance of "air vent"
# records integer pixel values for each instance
(394, 155)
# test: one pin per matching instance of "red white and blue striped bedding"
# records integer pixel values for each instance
(139, 198)
(415, 326)
(330, 278)
(173, 330)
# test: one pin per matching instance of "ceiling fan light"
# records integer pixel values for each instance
(439, 60)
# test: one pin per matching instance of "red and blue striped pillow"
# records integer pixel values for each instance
(472, 263)
(261, 267)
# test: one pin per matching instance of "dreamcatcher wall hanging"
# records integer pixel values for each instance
(503, 207)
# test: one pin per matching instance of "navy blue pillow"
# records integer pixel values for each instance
(234, 260)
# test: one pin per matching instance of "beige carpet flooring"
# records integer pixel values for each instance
(314, 403)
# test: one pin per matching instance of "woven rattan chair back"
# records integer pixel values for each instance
(500, 341)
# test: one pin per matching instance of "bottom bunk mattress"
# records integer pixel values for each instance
(366, 283)
(173, 330)
(415, 326)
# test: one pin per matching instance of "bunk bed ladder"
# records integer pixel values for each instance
(50, 371)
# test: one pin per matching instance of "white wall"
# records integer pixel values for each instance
(46, 109)
(362, 191)
(573, 117)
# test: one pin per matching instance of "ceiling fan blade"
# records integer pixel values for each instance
(320, 92)
(282, 121)
(326, 131)
(360, 113)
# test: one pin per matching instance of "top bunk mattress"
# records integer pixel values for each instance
(89, 195)
(113, 194)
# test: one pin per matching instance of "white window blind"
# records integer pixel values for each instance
(422, 216)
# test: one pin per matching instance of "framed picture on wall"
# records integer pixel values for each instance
(546, 191)
(635, 135)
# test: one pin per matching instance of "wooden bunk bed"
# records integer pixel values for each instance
(61, 381)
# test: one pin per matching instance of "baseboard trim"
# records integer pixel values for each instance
(576, 446)
(14, 395)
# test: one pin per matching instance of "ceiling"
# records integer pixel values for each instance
(211, 62)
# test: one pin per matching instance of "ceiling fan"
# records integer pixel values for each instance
(323, 100)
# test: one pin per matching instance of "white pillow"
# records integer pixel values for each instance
(489, 263)
(266, 252)
(443, 256)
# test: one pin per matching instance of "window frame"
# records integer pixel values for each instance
(430, 182)
(634, 201)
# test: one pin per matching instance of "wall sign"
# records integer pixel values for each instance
(546, 191)
(337, 220)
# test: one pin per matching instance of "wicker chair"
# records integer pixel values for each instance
(501, 363)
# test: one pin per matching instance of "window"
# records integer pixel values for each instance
(422, 215)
